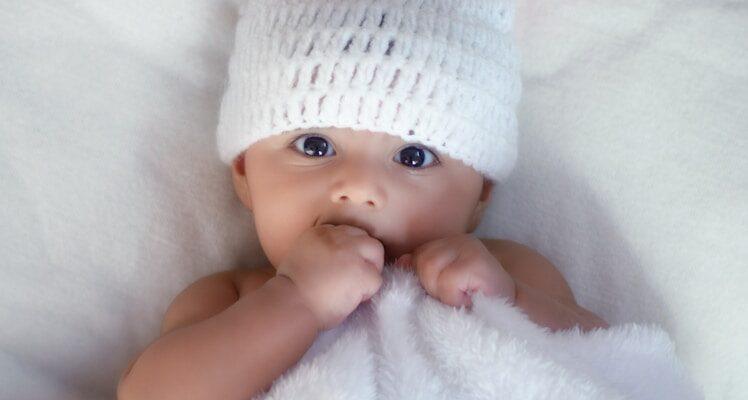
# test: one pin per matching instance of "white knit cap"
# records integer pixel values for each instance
(443, 73)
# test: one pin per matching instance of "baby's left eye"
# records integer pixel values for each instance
(415, 157)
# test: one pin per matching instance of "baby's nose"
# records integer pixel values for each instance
(367, 202)
(364, 193)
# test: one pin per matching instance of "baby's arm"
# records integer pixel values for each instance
(218, 345)
(541, 291)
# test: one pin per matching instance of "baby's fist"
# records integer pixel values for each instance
(451, 269)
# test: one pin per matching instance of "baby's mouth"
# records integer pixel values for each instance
(352, 222)
(361, 225)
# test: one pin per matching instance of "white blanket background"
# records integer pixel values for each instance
(632, 177)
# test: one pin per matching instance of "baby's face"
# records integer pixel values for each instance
(402, 193)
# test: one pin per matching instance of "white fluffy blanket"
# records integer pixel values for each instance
(404, 344)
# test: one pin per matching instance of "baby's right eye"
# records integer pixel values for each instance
(312, 146)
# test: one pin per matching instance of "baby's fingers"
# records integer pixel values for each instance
(429, 265)
(454, 286)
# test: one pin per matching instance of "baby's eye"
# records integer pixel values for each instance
(414, 157)
(313, 146)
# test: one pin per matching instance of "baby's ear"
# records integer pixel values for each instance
(238, 164)
(239, 178)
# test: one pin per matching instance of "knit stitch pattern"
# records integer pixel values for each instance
(442, 73)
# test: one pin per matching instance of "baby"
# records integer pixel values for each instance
(361, 135)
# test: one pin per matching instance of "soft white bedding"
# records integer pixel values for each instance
(632, 176)
(405, 345)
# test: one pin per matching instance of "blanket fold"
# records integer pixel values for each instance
(404, 344)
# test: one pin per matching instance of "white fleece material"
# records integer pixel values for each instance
(404, 344)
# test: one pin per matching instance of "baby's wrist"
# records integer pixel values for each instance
(507, 287)
(285, 288)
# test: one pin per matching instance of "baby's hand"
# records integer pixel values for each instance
(335, 268)
(451, 269)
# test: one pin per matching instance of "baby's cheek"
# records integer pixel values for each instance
(278, 230)
(274, 246)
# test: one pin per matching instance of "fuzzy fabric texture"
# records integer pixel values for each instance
(404, 344)
(445, 74)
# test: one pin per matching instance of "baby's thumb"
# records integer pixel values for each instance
(404, 260)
